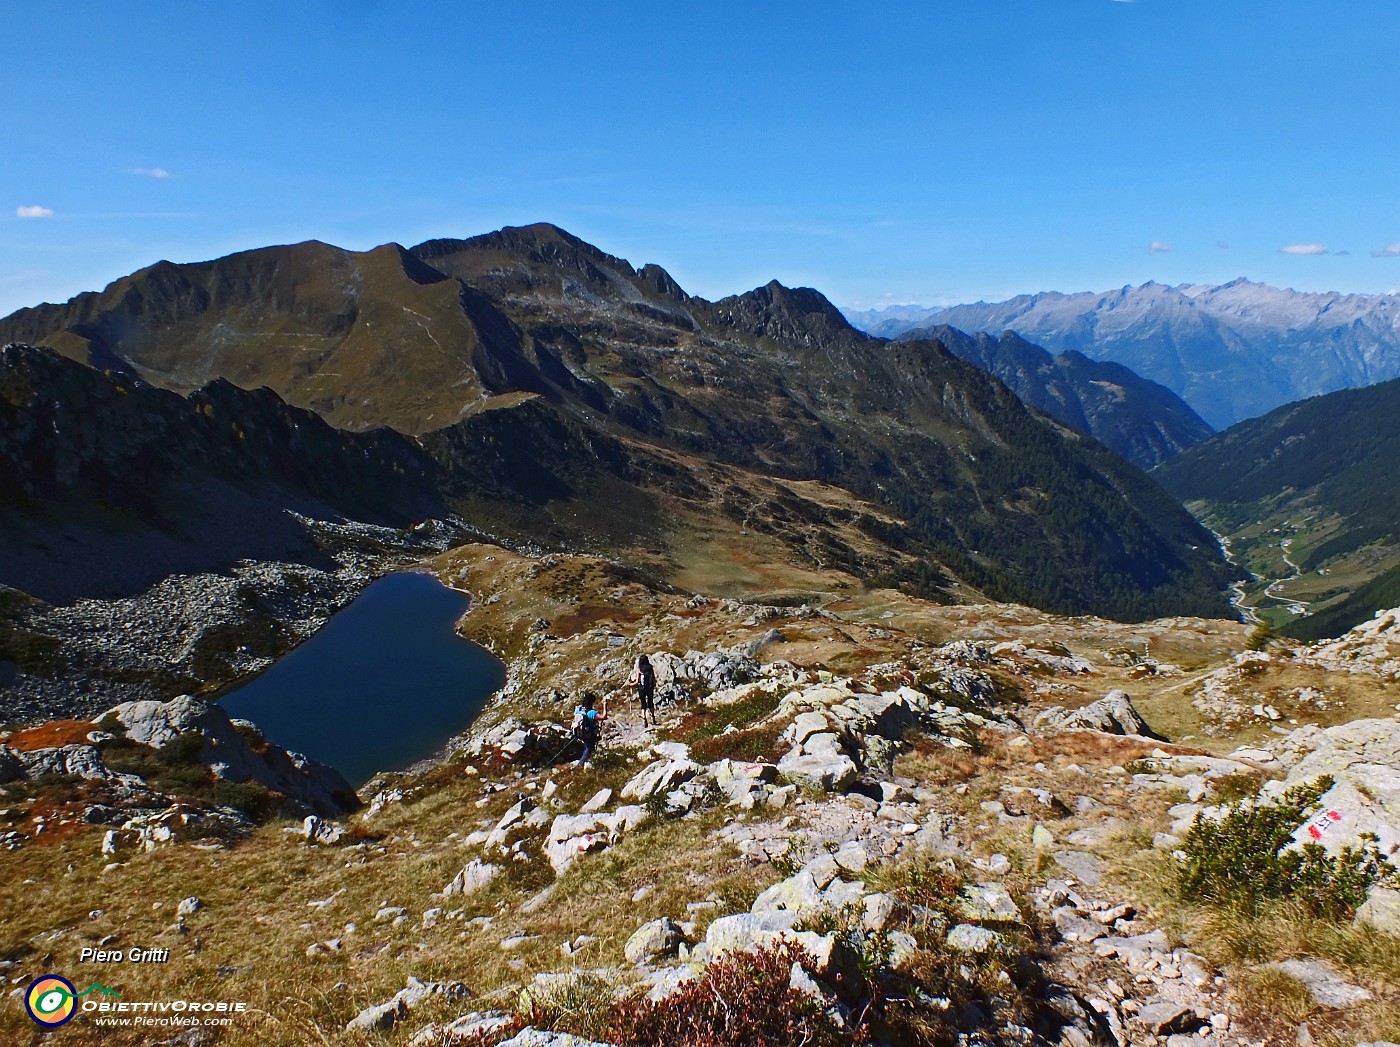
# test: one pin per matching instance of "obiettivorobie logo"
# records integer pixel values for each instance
(51, 1001)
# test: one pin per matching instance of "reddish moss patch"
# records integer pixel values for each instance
(588, 616)
(53, 735)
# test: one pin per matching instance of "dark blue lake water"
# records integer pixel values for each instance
(384, 683)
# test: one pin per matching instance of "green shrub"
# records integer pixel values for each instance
(1260, 636)
(252, 736)
(250, 798)
(185, 778)
(753, 744)
(182, 750)
(1240, 860)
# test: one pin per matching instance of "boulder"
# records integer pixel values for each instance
(469, 1028)
(889, 714)
(531, 1037)
(1114, 713)
(806, 724)
(876, 912)
(744, 932)
(988, 903)
(385, 1016)
(475, 875)
(966, 937)
(380, 1018)
(597, 802)
(514, 815)
(1084, 867)
(1324, 984)
(572, 836)
(1165, 1017)
(657, 939)
(1381, 910)
(660, 776)
(310, 786)
(678, 677)
(799, 894)
(319, 831)
(68, 761)
(1363, 759)
(832, 772)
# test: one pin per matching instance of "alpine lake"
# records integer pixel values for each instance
(383, 684)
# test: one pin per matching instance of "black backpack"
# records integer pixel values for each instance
(588, 726)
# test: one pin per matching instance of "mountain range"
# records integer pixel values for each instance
(1232, 352)
(554, 393)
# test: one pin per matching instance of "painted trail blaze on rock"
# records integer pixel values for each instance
(1318, 824)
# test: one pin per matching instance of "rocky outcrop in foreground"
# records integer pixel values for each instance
(162, 772)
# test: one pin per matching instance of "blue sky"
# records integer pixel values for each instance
(930, 152)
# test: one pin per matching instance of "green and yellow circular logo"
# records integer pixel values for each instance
(51, 1000)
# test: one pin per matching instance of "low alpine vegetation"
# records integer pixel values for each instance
(1244, 858)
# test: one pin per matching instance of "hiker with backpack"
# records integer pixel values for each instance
(588, 725)
(644, 677)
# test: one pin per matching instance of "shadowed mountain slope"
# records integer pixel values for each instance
(1144, 422)
(111, 484)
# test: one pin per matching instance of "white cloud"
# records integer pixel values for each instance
(33, 211)
(1343, 251)
(1393, 251)
(1159, 248)
(1303, 249)
(151, 172)
(1222, 245)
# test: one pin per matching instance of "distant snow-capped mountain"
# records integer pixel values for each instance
(1232, 352)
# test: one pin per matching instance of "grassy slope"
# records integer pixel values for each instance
(249, 941)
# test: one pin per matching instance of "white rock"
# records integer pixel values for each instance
(475, 875)
(966, 937)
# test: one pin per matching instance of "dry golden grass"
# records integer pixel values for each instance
(249, 940)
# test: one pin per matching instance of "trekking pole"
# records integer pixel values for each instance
(567, 742)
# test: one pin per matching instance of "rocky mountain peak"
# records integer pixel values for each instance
(658, 279)
(777, 311)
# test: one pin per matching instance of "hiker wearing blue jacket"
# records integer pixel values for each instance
(588, 726)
